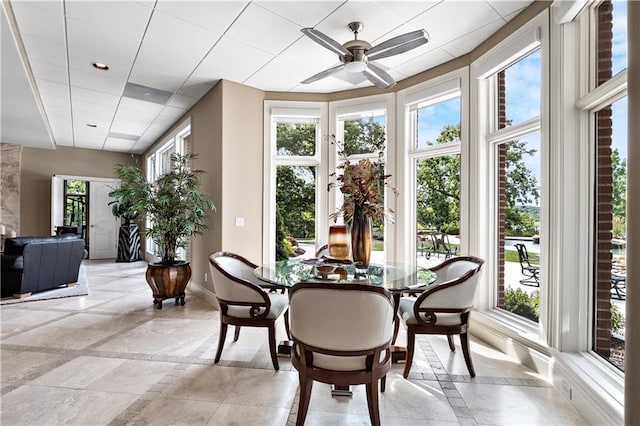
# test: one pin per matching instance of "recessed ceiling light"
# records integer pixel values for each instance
(91, 125)
(99, 66)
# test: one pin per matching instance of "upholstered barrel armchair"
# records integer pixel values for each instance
(242, 300)
(341, 335)
(443, 307)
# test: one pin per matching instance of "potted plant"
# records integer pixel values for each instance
(176, 210)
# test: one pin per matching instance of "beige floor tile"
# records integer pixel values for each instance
(26, 365)
(50, 336)
(258, 387)
(203, 383)
(14, 320)
(133, 376)
(247, 415)
(79, 372)
(169, 411)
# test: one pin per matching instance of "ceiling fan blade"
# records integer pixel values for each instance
(326, 41)
(378, 76)
(397, 45)
(323, 74)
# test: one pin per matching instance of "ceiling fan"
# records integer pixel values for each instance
(356, 56)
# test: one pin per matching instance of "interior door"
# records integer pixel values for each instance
(57, 203)
(103, 225)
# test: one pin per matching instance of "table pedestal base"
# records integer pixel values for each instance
(341, 391)
(284, 348)
(398, 354)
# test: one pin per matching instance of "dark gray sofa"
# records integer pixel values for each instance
(33, 264)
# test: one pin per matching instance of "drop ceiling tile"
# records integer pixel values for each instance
(46, 71)
(99, 111)
(264, 30)
(129, 127)
(270, 77)
(183, 45)
(81, 60)
(84, 117)
(231, 60)
(123, 16)
(38, 22)
(307, 51)
(94, 96)
(118, 145)
(441, 26)
(48, 5)
(468, 42)
(405, 10)
(195, 88)
(508, 7)
(424, 62)
(134, 116)
(172, 112)
(305, 14)
(182, 101)
(52, 103)
(89, 144)
(50, 88)
(92, 135)
(46, 51)
(135, 105)
(151, 77)
(97, 82)
(102, 43)
(376, 22)
(329, 84)
(215, 17)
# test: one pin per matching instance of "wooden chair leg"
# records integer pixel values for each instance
(383, 383)
(305, 396)
(286, 324)
(396, 327)
(236, 333)
(452, 346)
(272, 345)
(372, 402)
(464, 341)
(411, 341)
(221, 339)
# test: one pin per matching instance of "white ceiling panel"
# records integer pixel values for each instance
(508, 7)
(96, 81)
(256, 25)
(102, 43)
(437, 20)
(304, 14)
(38, 22)
(50, 72)
(231, 60)
(468, 42)
(215, 18)
(39, 49)
(122, 16)
(186, 47)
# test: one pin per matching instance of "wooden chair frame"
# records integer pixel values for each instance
(302, 360)
(427, 317)
(258, 311)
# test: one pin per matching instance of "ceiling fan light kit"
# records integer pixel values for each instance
(357, 56)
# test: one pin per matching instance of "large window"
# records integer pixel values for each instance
(158, 164)
(609, 168)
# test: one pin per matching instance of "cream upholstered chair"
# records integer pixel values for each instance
(341, 335)
(243, 302)
(444, 306)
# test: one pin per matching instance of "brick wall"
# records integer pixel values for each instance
(604, 189)
(502, 184)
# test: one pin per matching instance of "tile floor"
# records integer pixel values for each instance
(110, 358)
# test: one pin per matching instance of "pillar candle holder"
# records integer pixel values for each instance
(339, 241)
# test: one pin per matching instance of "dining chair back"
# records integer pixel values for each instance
(444, 306)
(242, 300)
(341, 335)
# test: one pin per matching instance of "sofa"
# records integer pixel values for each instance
(34, 264)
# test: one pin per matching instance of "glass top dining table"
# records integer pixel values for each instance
(395, 277)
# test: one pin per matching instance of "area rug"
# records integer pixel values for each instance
(80, 289)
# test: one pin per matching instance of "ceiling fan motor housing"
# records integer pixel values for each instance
(358, 49)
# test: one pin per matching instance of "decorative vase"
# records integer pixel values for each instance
(168, 281)
(361, 241)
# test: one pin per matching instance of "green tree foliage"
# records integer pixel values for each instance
(295, 194)
(296, 138)
(438, 188)
(619, 181)
(283, 246)
(364, 136)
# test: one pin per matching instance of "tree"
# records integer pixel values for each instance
(364, 136)
(619, 182)
(438, 188)
(295, 195)
(296, 138)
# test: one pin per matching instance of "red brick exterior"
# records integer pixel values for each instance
(502, 184)
(604, 188)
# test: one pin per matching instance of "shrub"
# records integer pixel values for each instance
(617, 319)
(520, 302)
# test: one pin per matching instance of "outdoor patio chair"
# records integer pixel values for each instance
(530, 272)
(618, 286)
(441, 245)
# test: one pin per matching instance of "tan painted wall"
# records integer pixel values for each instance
(242, 162)
(39, 165)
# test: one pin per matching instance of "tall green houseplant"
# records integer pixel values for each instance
(173, 203)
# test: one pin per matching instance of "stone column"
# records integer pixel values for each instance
(632, 321)
(10, 160)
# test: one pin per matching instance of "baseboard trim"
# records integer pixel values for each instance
(204, 294)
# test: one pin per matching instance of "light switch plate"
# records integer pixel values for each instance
(239, 221)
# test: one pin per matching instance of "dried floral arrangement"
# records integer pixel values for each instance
(363, 184)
